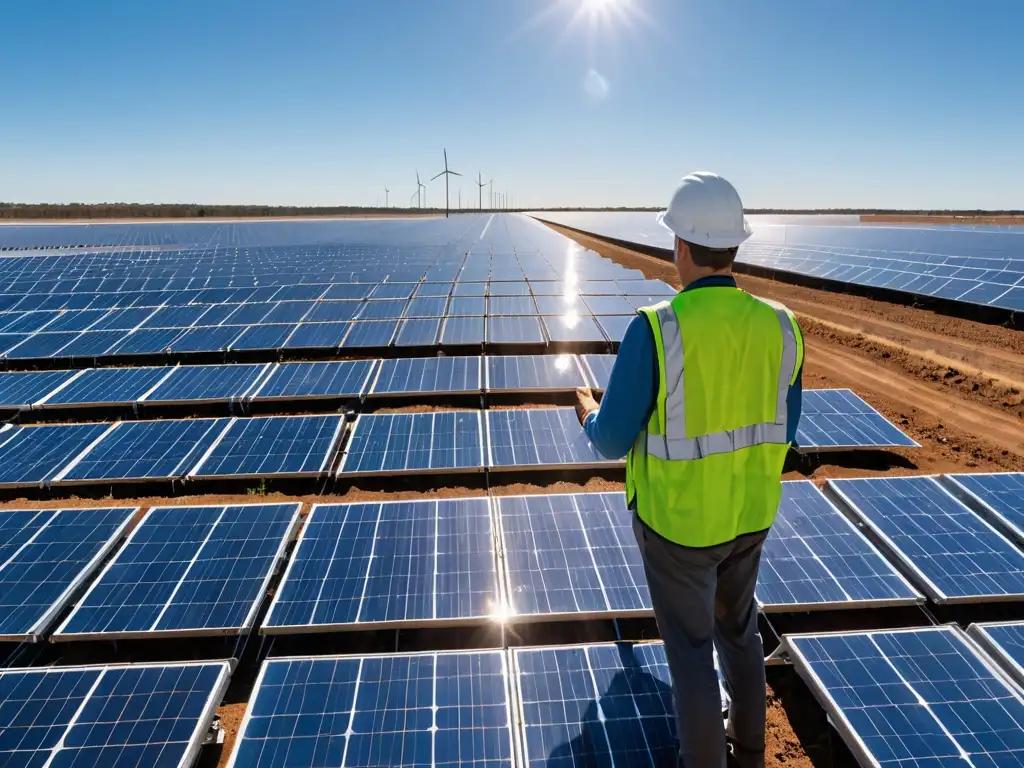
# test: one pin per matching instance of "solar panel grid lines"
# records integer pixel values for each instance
(925, 695)
(445, 708)
(186, 571)
(532, 373)
(950, 552)
(31, 456)
(998, 497)
(390, 564)
(153, 714)
(23, 390)
(598, 370)
(839, 420)
(447, 375)
(1003, 641)
(47, 557)
(207, 384)
(815, 558)
(307, 381)
(540, 437)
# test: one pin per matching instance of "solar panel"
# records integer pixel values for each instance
(206, 384)
(836, 420)
(913, 697)
(614, 326)
(562, 329)
(428, 375)
(542, 437)
(145, 450)
(510, 305)
(608, 704)
(533, 373)
(106, 386)
(263, 337)
(373, 334)
(186, 571)
(952, 553)
(308, 381)
(999, 497)
(441, 441)
(598, 369)
(462, 331)
(609, 305)
(439, 709)
(465, 306)
(815, 558)
(130, 715)
(318, 336)
(1004, 642)
(34, 455)
(515, 330)
(420, 332)
(389, 564)
(21, 390)
(45, 557)
(571, 556)
(278, 446)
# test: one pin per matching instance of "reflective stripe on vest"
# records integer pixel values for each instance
(673, 445)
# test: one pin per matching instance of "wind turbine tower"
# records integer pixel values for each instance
(387, 196)
(446, 173)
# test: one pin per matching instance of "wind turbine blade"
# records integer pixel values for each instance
(453, 173)
(442, 173)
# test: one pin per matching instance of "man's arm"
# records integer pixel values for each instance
(630, 397)
(794, 404)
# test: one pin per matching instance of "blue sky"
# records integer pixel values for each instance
(802, 103)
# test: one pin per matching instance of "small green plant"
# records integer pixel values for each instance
(259, 490)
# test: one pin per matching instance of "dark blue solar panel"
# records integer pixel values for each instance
(598, 369)
(834, 419)
(608, 705)
(442, 441)
(215, 339)
(539, 437)
(142, 450)
(263, 337)
(186, 570)
(207, 383)
(32, 455)
(427, 306)
(913, 697)
(375, 334)
(332, 312)
(463, 330)
(316, 380)
(403, 562)
(92, 344)
(108, 386)
(393, 291)
(147, 342)
(614, 326)
(20, 390)
(288, 312)
(381, 310)
(999, 496)
(48, 554)
(1004, 641)
(434, 289)
(816, 558)
(280, 445)
(40, 345)
(353, 291)
(421, 332)
(428, 375)
(153, 715)
(515, 330)
(954, 554)
(533, 373)
(572, 555)
(318, 336)
(432, 709)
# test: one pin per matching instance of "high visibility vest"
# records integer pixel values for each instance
(708, 466)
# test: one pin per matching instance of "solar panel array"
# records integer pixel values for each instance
(1004, 642)
(999, 497)
(913, 696)
(837, 419)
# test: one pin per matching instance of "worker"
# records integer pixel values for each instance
(704, 400)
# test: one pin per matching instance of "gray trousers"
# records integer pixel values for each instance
(704, 600)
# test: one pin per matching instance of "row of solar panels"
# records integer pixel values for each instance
(978, 267)
(264, 382)
(205, 570)
(932, 696)
(436, 442)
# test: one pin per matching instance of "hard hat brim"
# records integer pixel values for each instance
(707, 239)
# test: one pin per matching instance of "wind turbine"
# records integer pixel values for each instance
(387, 195)
(481, 185)
(420, 186)
(446, 173)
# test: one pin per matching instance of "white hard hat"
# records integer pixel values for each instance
(706, 209)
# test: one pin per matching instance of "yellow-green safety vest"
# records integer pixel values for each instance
(708, 466)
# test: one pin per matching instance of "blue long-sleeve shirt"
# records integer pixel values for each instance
(632, 392)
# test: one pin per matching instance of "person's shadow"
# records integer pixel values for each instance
(632, 724)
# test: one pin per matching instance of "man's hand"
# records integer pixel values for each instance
(585, 403)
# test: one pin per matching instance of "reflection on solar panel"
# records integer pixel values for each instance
(133, 715)
(514, 330)
(533, 373)
(546, 437)
(614, 326)
(443, 441)
(186, 571)
(389, 564)
(999, 497)
(608, 704)
(145, 450)
(836, 419)
(33, 455)
(1004, 642)
(598, 369)
(571, 555)
(207, 383)
(279, 446)
(107, 386)
(45, 556)
(573, 328)
(814, 558)
(913, 697)
(441, 709)
(318, 336)
(952, 553)
(428, 375)
(463, 331)
(20, 390)
(306, 381)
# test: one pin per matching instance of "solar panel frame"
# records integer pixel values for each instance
(568, 439)
(995, 638)
(573, 373)
(287, 392)
(445, 368)
(958, 484)
(46, 469)
(44, 620)
(179, 378)
(61, 635)
(190, 750)
(54, 399)
(598, 370)
(344, 469)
